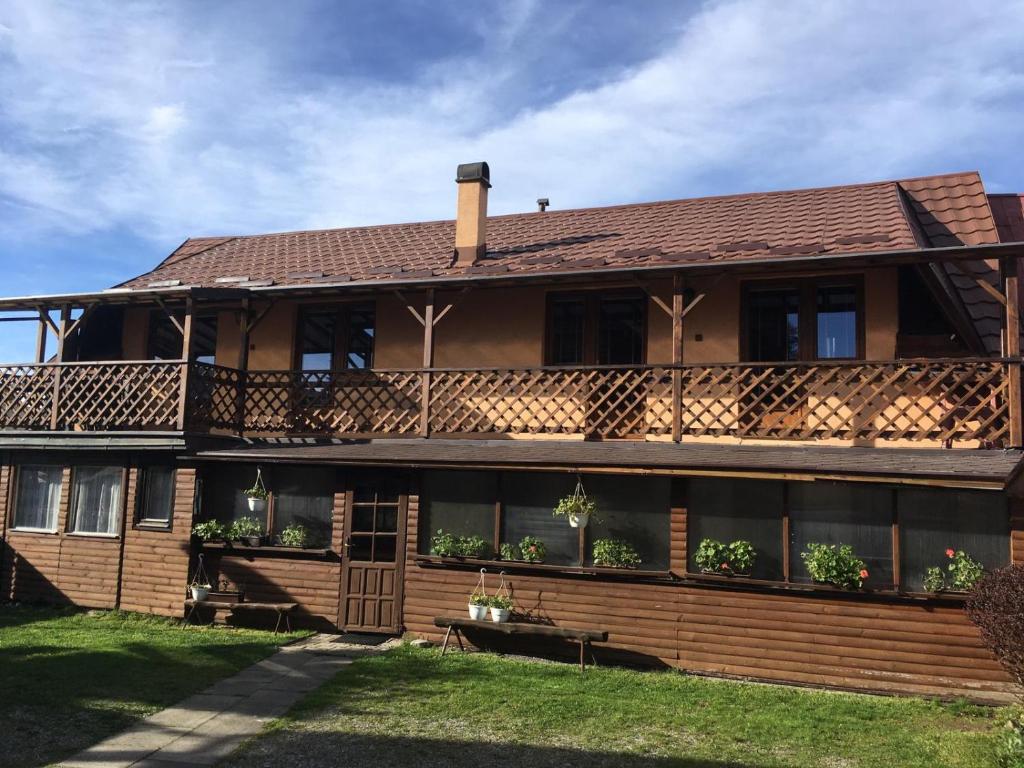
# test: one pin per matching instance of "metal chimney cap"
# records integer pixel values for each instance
(474, 172)
(542, 204)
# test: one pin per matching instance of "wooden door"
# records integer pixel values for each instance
(372, 565)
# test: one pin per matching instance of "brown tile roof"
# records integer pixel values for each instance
(932, 211)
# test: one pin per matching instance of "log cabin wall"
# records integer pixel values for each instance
(842, 641)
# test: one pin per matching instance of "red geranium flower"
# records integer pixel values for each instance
(864, 574)
(725, 566)
(950, 553)
(533, 548)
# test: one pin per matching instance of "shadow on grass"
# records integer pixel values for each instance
(316, 749)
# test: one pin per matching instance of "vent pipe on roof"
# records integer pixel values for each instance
(542, 204)
(474, 179)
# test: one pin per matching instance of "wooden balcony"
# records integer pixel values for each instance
(963, 401)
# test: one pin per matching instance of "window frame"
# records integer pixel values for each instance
(788, 582)
(141, 485)
(807, 289)
(342, 313)
(73, 491)
(15, 487)
(591, 300)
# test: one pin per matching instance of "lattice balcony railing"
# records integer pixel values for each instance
(962, 400)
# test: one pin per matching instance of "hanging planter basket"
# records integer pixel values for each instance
(478, 600)
(501, 603)
(199, 586)
(257, 495)
(576, 507)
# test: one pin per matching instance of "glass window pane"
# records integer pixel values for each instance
(316, 343)
(361, 333)
(222, 496)
(304, 496)
(774, 325)
(96, 500)
(384, 548)
(362, 518)
(843, 513)
(635, 510)
(934, 520)
(729, 510)
(459, 503)
(387, 519)
(529, 499)
(204, 339)
(361, 547)
(157, 495)
(620, 330)
(837, 322)
(38, 497)
(566, 320)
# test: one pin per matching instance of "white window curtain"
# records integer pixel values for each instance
(96, 505)
(38, 497)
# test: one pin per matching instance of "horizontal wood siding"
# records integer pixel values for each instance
(1017, 530)
(890, 647)
(156, 562)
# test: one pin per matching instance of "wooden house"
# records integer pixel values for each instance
(837, 365)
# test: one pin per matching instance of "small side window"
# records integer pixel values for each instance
(156, 497)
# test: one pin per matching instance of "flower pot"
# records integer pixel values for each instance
(199, 594)
(252, 541)
(500, 615)
(257, 505)
(478, 612)
(580, 520)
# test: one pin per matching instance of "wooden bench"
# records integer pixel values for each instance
(583, 636)
(284, 610)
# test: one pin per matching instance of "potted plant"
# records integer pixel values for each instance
(248, 530)
(295, 535)
(742, 555)
(473, 546)
(615, 553)
(210, 530)
(532, 549)
(200, 592)
(712, 556)
(227, 592)
(576, 507)
(478, 605)
(257, 497)
(508, 552)
(962, 573)
(443, 544)
(501, 608)
(835, 565)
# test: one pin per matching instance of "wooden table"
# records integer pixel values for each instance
(284, 610)
(583, 636)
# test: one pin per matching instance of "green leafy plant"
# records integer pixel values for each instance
(509, 551)
(473, 546)
(576, 505)
(532, 549)
(443, 544)
(615, 553)
(477, 599)
(742, 555)
(963, 572)
(934, 579)
(211, 530)
(256, 492)
(836, 565)
(501, 602)
(1010, 751)
(712, 556)
(246, 526)
(295, 535)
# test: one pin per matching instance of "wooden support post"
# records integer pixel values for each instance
(428, 362)
(242, 363)
(62, 335)
(677, 357)
(186, 356)
(41, 341)
(1011, 291)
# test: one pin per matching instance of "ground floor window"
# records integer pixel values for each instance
(156, 496)
(502, 509)
(96, 500)
(37, 497)
(898, 532)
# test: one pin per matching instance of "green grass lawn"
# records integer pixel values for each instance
(70, 678)
(413, 708)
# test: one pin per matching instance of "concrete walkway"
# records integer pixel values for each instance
(208, 726)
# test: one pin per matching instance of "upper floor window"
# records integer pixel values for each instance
(805, 320)
(590, 328)
(37, 498)
(339, 338)
(204, 339)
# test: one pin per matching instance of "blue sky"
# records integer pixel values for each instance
(126, 127)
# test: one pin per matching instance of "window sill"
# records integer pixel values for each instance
(540, 568)
(241, 550)
(159, 527)
(34, 531)
(760, 585)
(91, 535)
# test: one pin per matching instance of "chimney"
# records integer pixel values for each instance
(474, 179)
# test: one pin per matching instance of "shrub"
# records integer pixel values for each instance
(712, 556)
(741, 556)
(295, 535)
(615, 553)
(532, 549)
(996, 606)
(509, 552)
(246, 526)
(1010, 751)
(836, 565)
(211, 530)
(443, 544)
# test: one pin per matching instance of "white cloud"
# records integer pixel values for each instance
(129, 116)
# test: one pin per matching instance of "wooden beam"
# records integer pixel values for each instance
(171, 316)
(428, 362)
(62, 335)
(259, 318)
(41, 342)
(44, 316)
(81, 319)
(1012, 343)
(677, 356)
(419, 318)
(186, 356)
(990, 289)
(244, 329)
(452, 305)
(700, 296)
